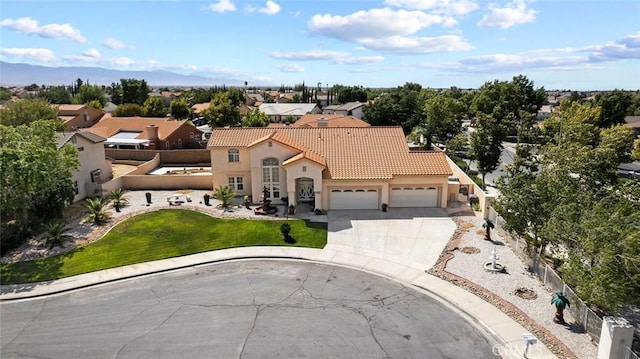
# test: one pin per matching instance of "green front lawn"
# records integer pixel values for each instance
(163, 234)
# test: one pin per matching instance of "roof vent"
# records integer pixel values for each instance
(322, 122)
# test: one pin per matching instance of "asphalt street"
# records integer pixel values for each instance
(242, 309)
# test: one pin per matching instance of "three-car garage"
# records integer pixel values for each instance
(370, 198)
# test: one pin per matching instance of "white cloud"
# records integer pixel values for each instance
(41, 55)
(290, 68)
(450, 7)
(114, 43)
(418, 45)
(568, 58)
(92, 53)
(375, 23)
(222, 6)
(29, 26)
(337, 57)
(513, 13)
(311, 55)
(271, 8)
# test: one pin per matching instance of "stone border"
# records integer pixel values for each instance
(555, 345)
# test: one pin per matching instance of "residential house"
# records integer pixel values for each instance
(355, 109)
(93, 168)
(321, 120)
(634, 122)
(198, 108)
(147, 133)
(78, 116)
(288, 112)
(329, 167)
(544, 112)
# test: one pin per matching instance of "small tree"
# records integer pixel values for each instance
(56, 235)
(561, 302)
(224, 194)
(488, 226)
(118, 198)
(96, 211)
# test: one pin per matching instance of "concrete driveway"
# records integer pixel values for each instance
(411, 236)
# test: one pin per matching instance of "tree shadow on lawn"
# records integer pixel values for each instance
(25, 276)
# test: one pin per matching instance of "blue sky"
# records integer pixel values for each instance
(579, 45)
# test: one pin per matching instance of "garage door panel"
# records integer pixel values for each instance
(354, 199)
(413, 197)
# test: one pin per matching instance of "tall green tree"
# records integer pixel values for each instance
(402, 106)
(134, 91)
(88, 93)
(35, 175)
(56, 95)
(615, 105)
(180, 109)
(236, 96)
(27, 111)
(255, 118)
(444, 116)
(221, 112)
(485, 146)
(352, 94)
(154, 107)
(129, 110)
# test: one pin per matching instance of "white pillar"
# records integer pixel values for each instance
(317, 196)
(615, 336)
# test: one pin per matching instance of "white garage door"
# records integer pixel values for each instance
(353, 199)
(413, 197)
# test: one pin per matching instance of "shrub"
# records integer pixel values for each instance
(13, 235)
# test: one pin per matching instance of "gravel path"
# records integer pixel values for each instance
(470, 267)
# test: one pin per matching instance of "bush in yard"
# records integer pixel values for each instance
(285, 230)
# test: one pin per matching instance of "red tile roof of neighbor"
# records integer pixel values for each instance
(348, 152)
(109, 126)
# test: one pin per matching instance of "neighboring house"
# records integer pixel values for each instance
(147, 133)
(355, 109)
(544, 112)
(199, 107)
(78, 116)
(93, 168)
(321, 120)
(283, 112)
(634, 122)
(329, 167)
(251, 99)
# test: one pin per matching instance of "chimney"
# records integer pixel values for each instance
(322, 122)
(152, 133)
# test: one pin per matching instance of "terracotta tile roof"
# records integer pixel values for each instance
(311, 120)
(199, 107)
(109, 126)
(349, 152)
(69, 107)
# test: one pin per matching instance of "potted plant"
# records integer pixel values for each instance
(561, 302)
(384, 207)
(292, 209)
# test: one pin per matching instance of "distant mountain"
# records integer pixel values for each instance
(12, 74)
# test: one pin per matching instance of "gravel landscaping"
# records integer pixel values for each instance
(504, 285)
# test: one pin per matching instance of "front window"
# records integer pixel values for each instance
(271, 176)
(234, 156)
(76, 190)
(236, 183)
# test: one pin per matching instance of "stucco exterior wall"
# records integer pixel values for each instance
(90, 158)
(183, 157)
(260, 152)
(222, 168)
(167, 182)
(484, 198)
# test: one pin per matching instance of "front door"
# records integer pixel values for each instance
(305, 190)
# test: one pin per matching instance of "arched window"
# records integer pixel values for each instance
(271, 176)
(234, 156)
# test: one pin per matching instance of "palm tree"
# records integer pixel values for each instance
(96, 211)
(561, 302)
(56, 234)
(224, 194)
(488, 226)
(118, 199)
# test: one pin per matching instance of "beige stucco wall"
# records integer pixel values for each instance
(89, 159)
(484, 198)
(222, 168)
(260, 152)
(167, 182)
